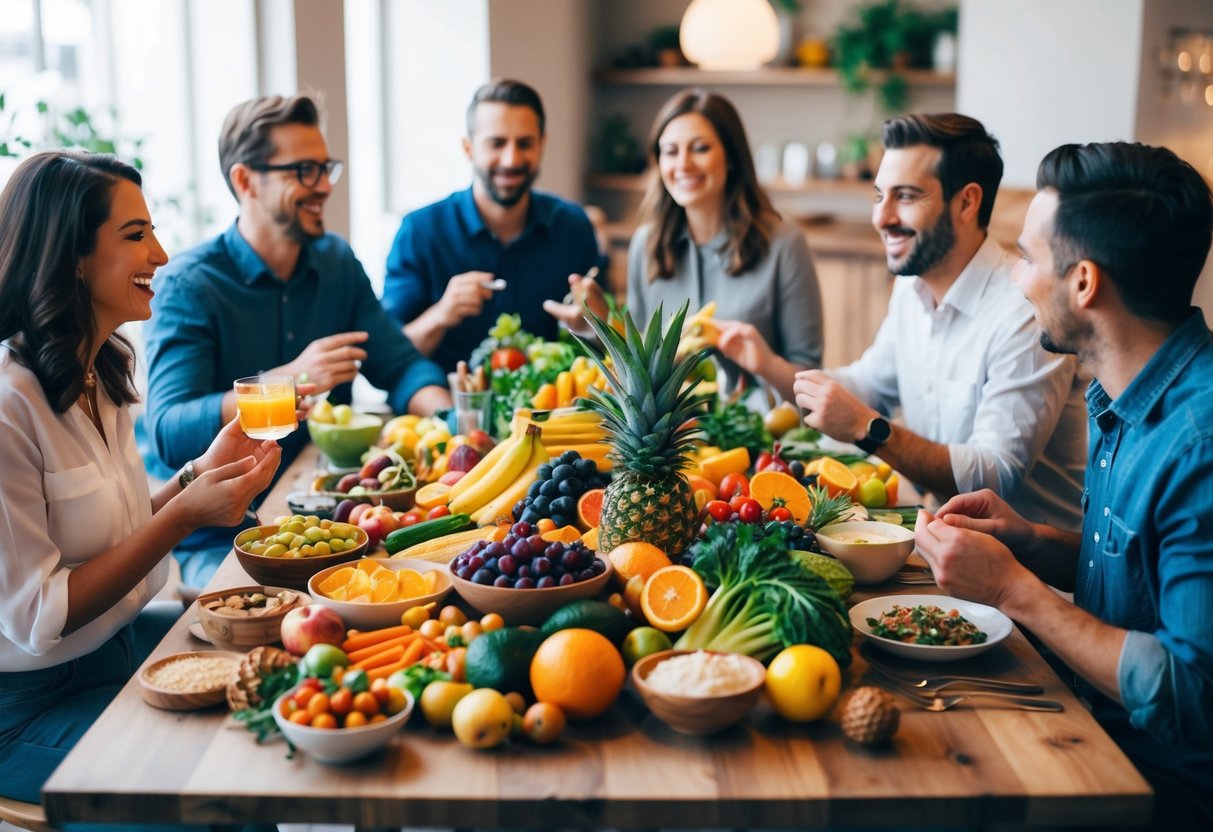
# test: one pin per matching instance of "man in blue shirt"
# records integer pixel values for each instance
(274, 293)
(497, 247)
(1112, 246)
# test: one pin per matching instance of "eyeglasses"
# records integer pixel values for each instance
(308, 172)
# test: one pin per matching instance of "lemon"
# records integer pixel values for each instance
(803, 682)
(872, 493)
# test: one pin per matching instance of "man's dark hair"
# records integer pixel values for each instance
(968, 153)
(1140, 213)
(245, 136)
(506, 91)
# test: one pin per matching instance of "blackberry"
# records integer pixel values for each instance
(558, 487)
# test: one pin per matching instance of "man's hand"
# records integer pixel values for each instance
(584, 293)
(831, 408)
(984, 511)
(744, 345)
(464, 297)
(329, 361)
(967, 563)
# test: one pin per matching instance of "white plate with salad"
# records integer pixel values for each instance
(929, 628)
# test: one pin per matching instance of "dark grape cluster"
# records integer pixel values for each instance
(524, 560)
(797, 537)
(560, 484)
(797, 471)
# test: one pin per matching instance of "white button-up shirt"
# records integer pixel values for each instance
(65, 496)
(970, 373)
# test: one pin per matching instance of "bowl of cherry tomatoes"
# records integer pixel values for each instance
(343, 723)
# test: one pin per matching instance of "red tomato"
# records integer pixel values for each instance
(764, 459)
(410, 517)
(439, 511)
(749, 511)
(719, 510)
(507, 358)
(738, 501)
(732, 485)
(779, 513)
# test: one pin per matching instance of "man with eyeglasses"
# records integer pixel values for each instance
(498, 246)
(274, 293)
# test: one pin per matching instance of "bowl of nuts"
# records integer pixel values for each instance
(246, 616)
(291, 553)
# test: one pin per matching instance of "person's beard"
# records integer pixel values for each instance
(932, 246)
(293, 228)
(503, 199)
(1067, 336)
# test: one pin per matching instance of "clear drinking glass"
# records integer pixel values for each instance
(266, 405)
(473, 411)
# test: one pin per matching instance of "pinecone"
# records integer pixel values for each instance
(870, 716)
(260, 661)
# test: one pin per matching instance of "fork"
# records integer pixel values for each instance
(937, 683)
(939, 703)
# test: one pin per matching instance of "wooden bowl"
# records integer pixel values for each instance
(397, 500)
(186, 697)
(374, 616)
(698, 715)
(245, 633)
(528, 606)
(292, 573)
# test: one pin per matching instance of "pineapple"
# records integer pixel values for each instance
(647, 414)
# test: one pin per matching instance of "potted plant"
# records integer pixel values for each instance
(663, 41)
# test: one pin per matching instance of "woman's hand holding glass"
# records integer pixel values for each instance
(233, 471)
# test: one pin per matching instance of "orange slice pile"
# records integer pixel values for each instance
(368, 582)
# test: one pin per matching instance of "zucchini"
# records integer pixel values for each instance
(423, 531)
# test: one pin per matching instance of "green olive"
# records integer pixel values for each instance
(323, 548)
(275, 551)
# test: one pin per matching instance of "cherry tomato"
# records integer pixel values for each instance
(764, 459)
(738, 501)
(733, 484)
(301, 696)
(382, 692)
(318, 704)
(507, 358)
(439, 511)
(354, 719)
(342, 701)
(779, 513)
(327, 721)
(749, 511)
(366, 702)
(410, 517)
(719, 510)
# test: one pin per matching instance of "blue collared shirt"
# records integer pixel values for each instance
(220, 314)
(449, 237)
(1146, 559)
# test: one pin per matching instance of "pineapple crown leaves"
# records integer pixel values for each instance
(647, 402)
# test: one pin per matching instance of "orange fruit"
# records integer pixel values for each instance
(383, 587)
(673, 598)
(564, 534)
(433, 495)
(736, 461)
(579, 671)
(589, 508)
(890, 487)
(836, 478)
(775, 488)
(699, 483)
(590, 539)
(337, 580)
(637, 558)
(412, 584)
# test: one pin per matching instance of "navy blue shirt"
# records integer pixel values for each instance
(1146, 560)
(219, 314)
(448, 238)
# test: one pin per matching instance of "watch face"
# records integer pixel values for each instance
(880, 430)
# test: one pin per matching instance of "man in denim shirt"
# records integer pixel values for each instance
(274, 293)
(1112, 246)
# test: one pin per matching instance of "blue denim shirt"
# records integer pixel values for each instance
(1146, 559)
(220, 314)
(449, 237)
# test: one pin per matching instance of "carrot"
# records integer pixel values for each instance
(413, 652)
(432, 646)
(360, 640)
(392, 654)
(385, 671)
(367, 652)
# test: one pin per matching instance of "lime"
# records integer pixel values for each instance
(642, 642)
(873, 494)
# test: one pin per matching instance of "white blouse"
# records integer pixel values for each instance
(65, 496)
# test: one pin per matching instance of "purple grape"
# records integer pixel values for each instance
(520, 549)
(464, 573)
(554, 551)
(537, 544)
(483, 577)
(494, 550)
(476, 562)
(585, 558)
(558, 571)
(504, 581)
(597, 567)
(545, 582)
(571, 559)
(493, 564)
(567, 579)
(541, 566)
(508, 564)
(524, 571)
(522, 529)
(585, 574)
(524, 583)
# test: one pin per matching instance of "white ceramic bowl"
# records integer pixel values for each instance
(341, 745)
(373, 616)
(990, 621)
(870, 563)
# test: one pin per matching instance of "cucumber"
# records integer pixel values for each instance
(599, 616)
(425, 530)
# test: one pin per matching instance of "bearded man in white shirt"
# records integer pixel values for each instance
(982, 404)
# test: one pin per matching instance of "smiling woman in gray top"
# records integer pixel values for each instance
(709, 233)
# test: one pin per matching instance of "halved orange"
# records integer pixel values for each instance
(336, 581)
(835, 477)
(589, 508)
(432, 495)
(673, 597)
(590, 539)
(775, 488)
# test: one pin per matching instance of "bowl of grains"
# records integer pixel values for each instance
(699, 691)
(188, 681)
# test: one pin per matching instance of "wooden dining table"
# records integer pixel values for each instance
(976, 766)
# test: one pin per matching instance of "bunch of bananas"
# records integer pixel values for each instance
(570, 385)
(488, 492)
(568, 429)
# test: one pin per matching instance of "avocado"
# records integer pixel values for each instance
(599, 616)
(501, 659)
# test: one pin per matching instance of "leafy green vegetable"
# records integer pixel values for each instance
(417, 676)
(735, 426)
(762, 600)
(260, 719)
(507, 332)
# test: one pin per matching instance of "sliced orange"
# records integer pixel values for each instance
(590, 539)
(383, 587)
(564, 534)
(637, 558)
(358, 584)
(835, 477)
(336, 581)
(589, 508)
(368, 566)
(673, 597)
(432, 495)
(412, 584)
(714, 468)
(774, 488)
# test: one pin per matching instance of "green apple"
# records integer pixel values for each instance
(320, 659)
(343, 414)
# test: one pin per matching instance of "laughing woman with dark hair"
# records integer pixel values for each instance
(82, 540)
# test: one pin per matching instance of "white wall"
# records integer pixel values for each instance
(1039, 73)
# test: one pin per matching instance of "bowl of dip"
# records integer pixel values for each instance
(873, 551)
(699, 692)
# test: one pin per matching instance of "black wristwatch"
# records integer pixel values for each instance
(879, 431)
(187, 475)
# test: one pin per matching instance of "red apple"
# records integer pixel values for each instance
(481, 441)
(451, 477)
(356, 513)
(463, 458)
(374, 527)
(347, 482)
(312, 624)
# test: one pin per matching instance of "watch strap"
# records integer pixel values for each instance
(879, 431)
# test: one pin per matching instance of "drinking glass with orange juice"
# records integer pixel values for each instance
(266, 405)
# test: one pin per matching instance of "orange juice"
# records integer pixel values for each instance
(267, 406)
